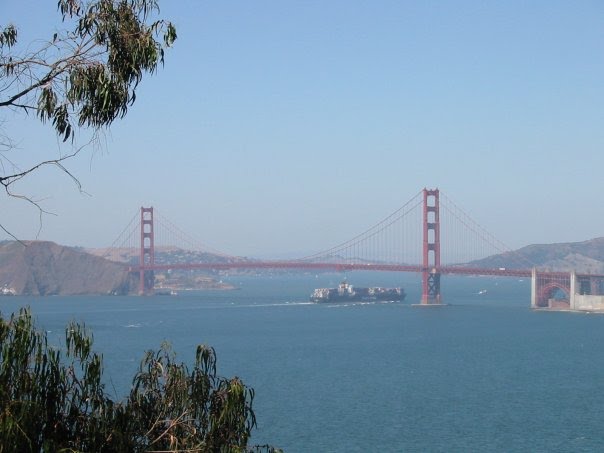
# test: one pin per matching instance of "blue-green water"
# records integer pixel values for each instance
(483, 374)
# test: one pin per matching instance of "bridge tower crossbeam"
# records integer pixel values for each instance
(147, 252)
(431, 249)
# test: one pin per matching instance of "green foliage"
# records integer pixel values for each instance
(54, 399)
(84, 76)
(8, 36)
(88, 73)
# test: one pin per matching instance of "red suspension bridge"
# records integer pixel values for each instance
(429, 235)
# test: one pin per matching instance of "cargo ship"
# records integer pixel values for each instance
(347, 293)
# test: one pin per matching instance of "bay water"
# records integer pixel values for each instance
(484, 373)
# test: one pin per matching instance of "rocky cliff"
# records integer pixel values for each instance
(46, 268)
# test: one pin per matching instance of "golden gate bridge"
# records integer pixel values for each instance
(429, 235)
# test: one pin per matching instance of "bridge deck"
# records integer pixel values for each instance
(450, 270)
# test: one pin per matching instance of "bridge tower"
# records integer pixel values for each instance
(431, 249)
(147, 252)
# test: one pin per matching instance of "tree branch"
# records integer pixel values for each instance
(84, 77)
(7, 182)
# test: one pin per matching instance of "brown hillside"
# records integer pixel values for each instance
(46, 268)
(585, 256)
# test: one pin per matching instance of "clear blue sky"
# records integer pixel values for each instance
(272, 120)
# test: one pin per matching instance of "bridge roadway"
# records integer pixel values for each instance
(301, 265)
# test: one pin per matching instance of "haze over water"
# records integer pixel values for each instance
(313, 120)
(484, 374)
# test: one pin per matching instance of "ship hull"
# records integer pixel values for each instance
(346, 293)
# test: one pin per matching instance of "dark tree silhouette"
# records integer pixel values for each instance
(53, 398)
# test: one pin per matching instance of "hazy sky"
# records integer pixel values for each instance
(281, 126)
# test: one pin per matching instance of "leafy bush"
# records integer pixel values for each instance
(54, 399)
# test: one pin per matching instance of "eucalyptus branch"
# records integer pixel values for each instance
(171, 425)
(35, 203)
(85, 76)
(6, 181)
(10, 234)
(51, 75)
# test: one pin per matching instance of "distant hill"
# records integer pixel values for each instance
(45, 268)
(174, 278)
(586, 256)
(163, 255)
